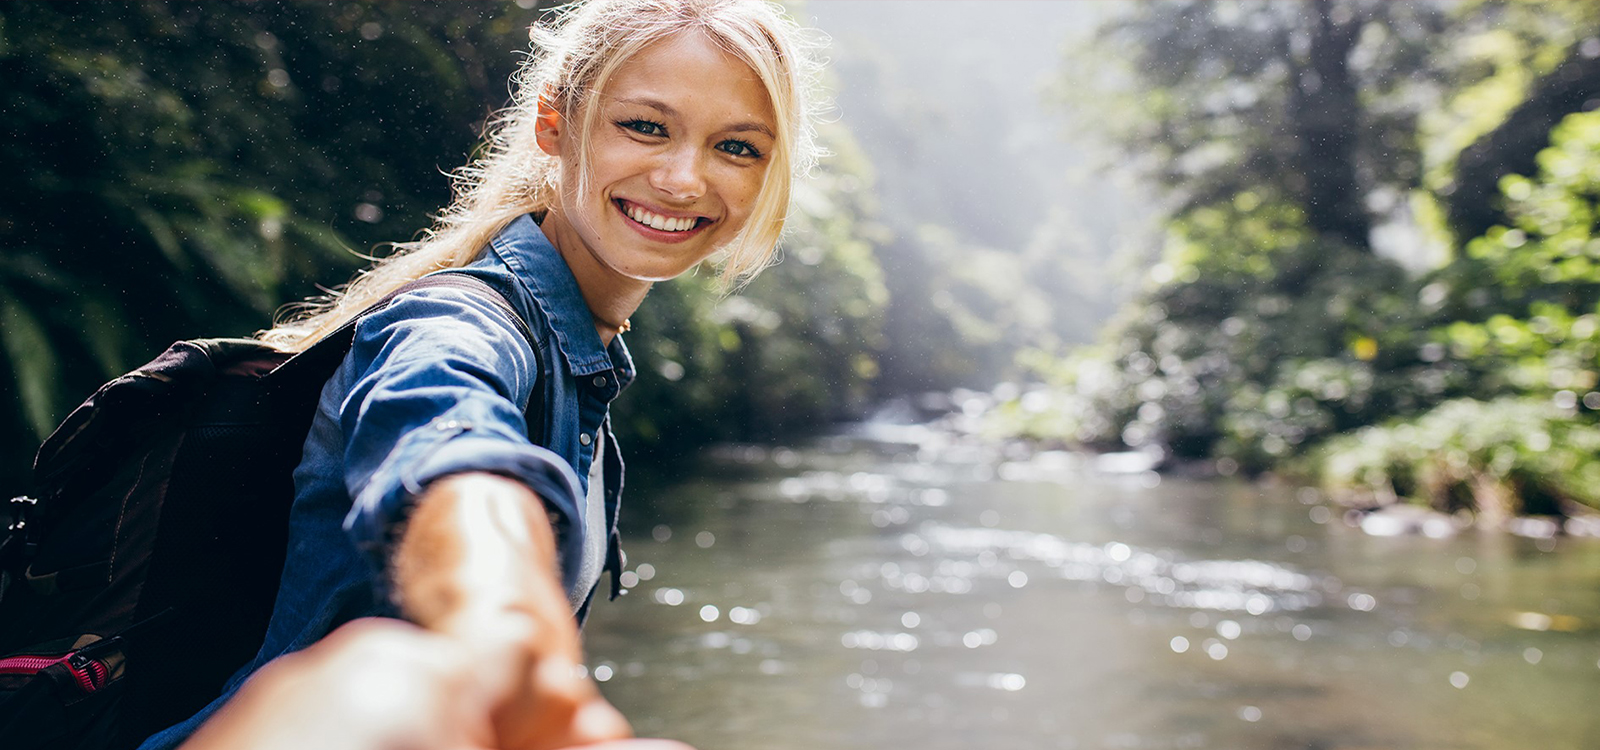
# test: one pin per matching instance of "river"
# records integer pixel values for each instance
(902, 588)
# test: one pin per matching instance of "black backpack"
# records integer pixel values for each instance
(144, 574)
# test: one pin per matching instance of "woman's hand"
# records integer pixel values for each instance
(543, 701)
(477, 563)
(376, 685)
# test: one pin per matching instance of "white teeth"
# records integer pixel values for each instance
(657, 221)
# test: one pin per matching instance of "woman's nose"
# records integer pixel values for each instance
(680, 174)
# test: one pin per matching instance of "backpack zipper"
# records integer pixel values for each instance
(90, 674)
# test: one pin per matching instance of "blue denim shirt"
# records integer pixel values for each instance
(435, 384)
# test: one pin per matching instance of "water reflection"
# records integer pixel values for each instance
(939, 593)
(1156, 577)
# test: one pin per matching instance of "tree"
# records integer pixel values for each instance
(1265, 329)
(1312, 103)
(1559, 57)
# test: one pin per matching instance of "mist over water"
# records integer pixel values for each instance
(953, 105)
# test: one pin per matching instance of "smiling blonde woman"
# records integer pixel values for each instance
(460, 471)
(575, 57)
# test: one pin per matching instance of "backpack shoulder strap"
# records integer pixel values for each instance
(323, 357)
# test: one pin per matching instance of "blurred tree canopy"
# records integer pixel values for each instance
(1309, 105)
(1521, 69)
(181, 170)
(1305, 148)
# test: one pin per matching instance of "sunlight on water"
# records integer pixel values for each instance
(1249, 586)
(934, 593)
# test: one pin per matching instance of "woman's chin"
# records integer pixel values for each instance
(641, 264)
(645, 272)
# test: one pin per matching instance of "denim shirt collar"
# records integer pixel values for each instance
(539, 267)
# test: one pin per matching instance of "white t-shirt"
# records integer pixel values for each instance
(595, 527)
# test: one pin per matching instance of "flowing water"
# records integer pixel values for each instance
(901, 588)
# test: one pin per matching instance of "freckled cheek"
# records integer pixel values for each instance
(742, 192)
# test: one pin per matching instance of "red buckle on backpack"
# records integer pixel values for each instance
(90, 674)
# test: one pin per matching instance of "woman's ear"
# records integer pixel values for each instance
(548, 128)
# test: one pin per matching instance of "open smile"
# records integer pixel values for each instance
(659, 226)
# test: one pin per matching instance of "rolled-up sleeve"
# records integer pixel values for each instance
(436, 382)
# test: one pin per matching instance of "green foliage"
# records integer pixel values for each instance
(1533, 440)
(1509, 455)
(1552, 252)
(1262, 342)
(1530, 291)
(1521, 68)
(1551, 353)
(180, 170)
(1254, 351)
(1500, 51)
(1494, 54)
(1285, 133)
(33, 362)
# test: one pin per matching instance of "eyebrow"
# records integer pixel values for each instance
(666, 109)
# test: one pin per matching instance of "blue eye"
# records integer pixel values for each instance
(739, 148)
(644, 127)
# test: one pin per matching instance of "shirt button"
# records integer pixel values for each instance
(600, 381)
(585, 439)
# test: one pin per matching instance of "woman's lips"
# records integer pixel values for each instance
(659, 226)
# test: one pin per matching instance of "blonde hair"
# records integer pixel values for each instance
(574, 57)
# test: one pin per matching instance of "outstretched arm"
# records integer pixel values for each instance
(374, 684)
(494, 664)
(477, 562)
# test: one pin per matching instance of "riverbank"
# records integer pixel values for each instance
(1351, 477)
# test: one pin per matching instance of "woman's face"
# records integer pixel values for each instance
(682, 140)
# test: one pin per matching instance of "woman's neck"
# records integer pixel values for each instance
(611, 297)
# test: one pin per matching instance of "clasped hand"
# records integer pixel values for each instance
(380, 684)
